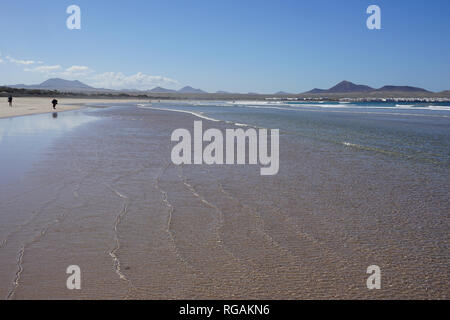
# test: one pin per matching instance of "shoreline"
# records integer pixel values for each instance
(31, 106)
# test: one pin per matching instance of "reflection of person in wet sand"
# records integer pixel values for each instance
(10, 99)
(54, 103)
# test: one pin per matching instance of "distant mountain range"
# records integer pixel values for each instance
(344, 87)
(58, 84)
(77, 86)
(162, 90)
(282, 93)
(349, 87)
(182, 90)
(190, 90)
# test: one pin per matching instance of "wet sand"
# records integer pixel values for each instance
(106, 197)
(28, 106)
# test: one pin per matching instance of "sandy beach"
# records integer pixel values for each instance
(37, 105)
(96, 188)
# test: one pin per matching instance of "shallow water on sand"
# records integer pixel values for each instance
(104, 195)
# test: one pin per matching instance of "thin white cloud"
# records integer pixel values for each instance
(77, 71)
(44, 69)
(20, 62)
(109, 80)
(140, 81)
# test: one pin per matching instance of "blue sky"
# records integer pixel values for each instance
(239, 46)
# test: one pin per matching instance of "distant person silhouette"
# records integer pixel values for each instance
(54, 102)
(10, 99)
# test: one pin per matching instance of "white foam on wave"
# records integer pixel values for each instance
(322, 105)
(319, 109)
(348, 144)
(208, 103)
(353, 106)
(439, 108)
(430, 107)
(256, 103)
(197, 114)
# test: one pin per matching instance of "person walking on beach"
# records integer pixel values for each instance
(10, 99)
(54, 102)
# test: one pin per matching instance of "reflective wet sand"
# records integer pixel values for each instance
(104, 195)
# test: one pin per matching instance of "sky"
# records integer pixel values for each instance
(236, 46)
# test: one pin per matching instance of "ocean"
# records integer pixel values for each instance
(419, 132)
